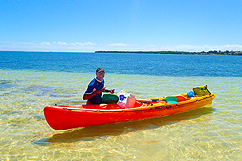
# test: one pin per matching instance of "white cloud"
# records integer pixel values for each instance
(89, 43)
(200, 48)
(27, 43)
(84, 44)
(118, 44)
(232, 47)
(45, 43)
(62, 43)
(73, 44)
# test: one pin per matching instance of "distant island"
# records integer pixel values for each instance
(227, 52)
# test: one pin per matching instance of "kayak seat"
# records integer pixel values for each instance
(171, 99)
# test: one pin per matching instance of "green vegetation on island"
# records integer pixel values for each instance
(227, 52)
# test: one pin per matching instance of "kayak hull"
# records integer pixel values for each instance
(62, 117)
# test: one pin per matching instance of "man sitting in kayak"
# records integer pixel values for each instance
(93, 94)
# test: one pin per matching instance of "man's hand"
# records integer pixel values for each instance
(112, 91)
(106, 90)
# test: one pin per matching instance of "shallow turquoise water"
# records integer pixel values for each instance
(211, 133)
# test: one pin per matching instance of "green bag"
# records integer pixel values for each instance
(201, 90)
(110, 98)
(171, 99)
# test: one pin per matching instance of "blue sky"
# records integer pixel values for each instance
(143, 25)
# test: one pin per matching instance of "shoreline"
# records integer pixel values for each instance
(178, 52)
(227, 52)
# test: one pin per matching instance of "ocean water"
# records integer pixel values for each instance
(29, 81)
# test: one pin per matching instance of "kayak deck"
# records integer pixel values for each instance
(115, 106)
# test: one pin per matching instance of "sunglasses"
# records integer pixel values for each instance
(101, 72)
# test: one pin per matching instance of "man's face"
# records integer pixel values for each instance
(100, 75)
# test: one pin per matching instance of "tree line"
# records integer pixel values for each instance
(214, 52)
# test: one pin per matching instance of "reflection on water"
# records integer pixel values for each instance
(97, 132)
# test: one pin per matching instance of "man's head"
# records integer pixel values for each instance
(100, 73)
(100, 70)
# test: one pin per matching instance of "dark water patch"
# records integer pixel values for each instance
(29, 89)
(6, 84)
(8, 112)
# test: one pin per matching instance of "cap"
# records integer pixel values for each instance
(100, 69)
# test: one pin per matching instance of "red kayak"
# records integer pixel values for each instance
(62, 117)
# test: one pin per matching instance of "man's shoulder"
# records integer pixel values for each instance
(92, 82)
(95, 82)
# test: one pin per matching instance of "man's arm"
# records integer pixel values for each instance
(91, 94)
(110, 91)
